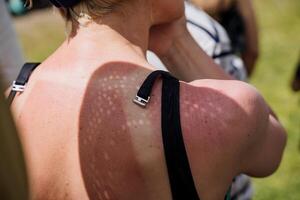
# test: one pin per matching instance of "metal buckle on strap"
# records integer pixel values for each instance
(141, 101)
(17, 87)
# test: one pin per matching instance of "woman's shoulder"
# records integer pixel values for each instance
(235, 101)
(227, 110)
(238, 91)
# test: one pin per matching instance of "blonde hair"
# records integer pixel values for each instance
(95, 8)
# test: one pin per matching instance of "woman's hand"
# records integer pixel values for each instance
(181, 54)
(162, 36)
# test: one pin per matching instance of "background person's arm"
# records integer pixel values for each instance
(251, 52)
(213, 7)
(14, 180)
(246, 10)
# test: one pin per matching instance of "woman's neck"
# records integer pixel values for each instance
(118, 30)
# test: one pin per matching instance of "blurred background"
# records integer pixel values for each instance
(42, 30)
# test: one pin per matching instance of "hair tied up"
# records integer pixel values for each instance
(64, 3)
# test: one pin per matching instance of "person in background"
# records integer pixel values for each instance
(13, 177)
(296, 79)
(11, 58)
(238, 18)
(17, 8)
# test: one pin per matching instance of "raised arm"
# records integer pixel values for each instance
(182, 55)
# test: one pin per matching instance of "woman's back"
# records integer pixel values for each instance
(61, 126)
(83, 134)
(85, 138)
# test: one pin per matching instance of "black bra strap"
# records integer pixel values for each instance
(20, 83)
(180, 176)
(143, 95)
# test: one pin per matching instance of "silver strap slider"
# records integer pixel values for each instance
(17, 87)
(141, 101)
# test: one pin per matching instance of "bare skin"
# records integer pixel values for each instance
(176, 47)
(85, 139)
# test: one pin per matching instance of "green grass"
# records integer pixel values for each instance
(280, 49)
(279, 22)
(41, 32)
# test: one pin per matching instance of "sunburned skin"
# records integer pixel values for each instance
(84, 138)
(120, 143)
(112, 131)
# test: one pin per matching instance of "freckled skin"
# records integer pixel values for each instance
(119, 159)
(90, 141)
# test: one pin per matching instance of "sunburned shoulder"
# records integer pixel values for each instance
(244, 95)
(233, 111)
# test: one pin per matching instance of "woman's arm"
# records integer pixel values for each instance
(181, 54)
(189, 62)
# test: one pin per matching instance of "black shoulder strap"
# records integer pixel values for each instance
(180, 176)
(23, 77)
